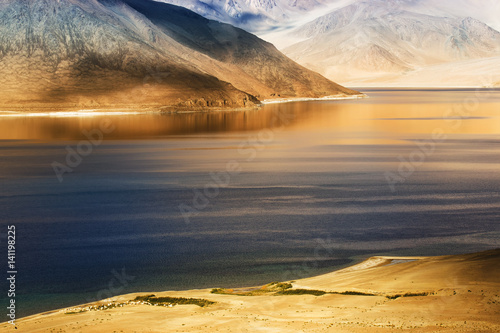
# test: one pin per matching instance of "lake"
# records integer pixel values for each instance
(110, 204)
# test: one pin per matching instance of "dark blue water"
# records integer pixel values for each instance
(310, 195)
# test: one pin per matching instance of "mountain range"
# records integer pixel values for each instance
(117, 53)
(253, 15)
(377, 42)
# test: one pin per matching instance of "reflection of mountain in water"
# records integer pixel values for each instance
(394, 113)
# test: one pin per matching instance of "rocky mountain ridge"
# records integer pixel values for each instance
(379, 42)
(116, 53)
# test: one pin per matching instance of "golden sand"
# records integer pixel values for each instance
(382, 294)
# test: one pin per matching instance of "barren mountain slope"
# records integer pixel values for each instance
(74, 53)
(233, 46)
(374, 37)
(371, 42)
(89, 53)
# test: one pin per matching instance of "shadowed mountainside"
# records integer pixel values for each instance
(252, 15)
(387, 43)
(114, 53)
(258, 59)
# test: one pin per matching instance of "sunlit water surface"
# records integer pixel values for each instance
(280, 193)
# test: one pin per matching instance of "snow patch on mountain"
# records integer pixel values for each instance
(254, 15)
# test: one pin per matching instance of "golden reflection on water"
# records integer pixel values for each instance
(380, 119)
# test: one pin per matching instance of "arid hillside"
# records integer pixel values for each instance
(125, 53)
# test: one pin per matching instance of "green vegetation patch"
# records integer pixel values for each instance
(270, 288)
(285, 288)
(406, 295)
(219, 291)
(354, 293)
(152, 300)
(301, 292)
(279, 285)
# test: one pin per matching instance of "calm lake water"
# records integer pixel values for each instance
(226, 199)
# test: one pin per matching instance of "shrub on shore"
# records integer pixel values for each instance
(152, 300)
(302, 292)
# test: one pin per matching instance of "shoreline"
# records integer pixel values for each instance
(308, 99)
(71, 111)
(378, 294)
(362, 263)
(68, 112)
(356, 261)
(417, 88)
(112, 111)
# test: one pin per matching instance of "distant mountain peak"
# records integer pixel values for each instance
(336, 37)
(388, 38)
(252, 15)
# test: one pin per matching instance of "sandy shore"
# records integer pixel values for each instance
(75, 112)
(382, 294)
(306, 99)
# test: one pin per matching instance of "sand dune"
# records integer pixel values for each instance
(382, 294)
